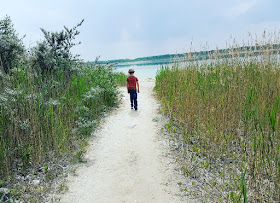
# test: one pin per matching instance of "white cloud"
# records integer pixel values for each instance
(240, 9)
(243, 7)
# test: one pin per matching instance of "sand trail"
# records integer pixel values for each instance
(126, 161)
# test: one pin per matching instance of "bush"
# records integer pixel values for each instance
(52, 110)
(11, 47)
(53, 54)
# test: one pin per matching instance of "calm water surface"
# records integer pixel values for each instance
(141, 72)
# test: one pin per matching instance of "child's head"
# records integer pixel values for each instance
(131, 71)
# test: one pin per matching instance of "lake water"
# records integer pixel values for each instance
(141, 72)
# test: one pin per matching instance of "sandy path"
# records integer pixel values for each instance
(125, 160)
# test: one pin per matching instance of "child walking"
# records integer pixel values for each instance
(132, 82)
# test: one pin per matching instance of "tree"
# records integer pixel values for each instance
(54, 52)
(11, 47)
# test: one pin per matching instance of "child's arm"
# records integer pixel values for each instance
(138, 86)
(127, 85)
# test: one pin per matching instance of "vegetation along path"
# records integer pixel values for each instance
(126, 161)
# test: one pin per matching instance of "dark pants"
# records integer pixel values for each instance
(133, 98)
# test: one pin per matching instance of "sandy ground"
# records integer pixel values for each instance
(126, 158)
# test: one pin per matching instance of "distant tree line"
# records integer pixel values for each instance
(201, 55)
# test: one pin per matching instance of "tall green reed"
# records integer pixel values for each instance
(41, 118)
(120, 78)
(229, 104)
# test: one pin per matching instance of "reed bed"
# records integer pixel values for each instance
(226, 112)
(120, 78)
(41, 118)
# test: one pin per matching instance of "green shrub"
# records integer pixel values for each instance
(49, 103)
(53, 54)
(11, 47)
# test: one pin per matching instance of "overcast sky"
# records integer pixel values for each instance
(139, 28)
